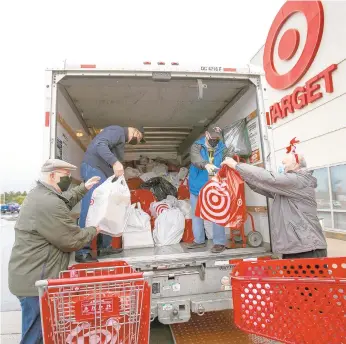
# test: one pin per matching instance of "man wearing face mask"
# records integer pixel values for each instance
(207, 154)
(45, 234)
(103, 159)
(296, 231)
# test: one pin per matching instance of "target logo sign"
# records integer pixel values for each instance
(288, 45)
(161, 208)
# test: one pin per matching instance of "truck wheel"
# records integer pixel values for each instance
(254, 239)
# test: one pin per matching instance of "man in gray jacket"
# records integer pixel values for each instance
(45, 234)
(296, 231)
(103, 158)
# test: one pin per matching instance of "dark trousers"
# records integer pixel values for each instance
(310, 254)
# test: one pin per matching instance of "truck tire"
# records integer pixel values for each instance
(254, 239)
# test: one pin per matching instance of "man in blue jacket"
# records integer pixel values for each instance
(207, 154)
(103, 159)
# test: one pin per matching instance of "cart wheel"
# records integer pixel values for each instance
(238, 239)
(254, 239)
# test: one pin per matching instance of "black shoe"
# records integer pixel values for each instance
(108, 251)
(85, 258)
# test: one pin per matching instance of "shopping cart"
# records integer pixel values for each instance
(96, 303)
(292, 301)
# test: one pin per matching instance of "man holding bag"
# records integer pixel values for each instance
(207, 154)
(103, 159)
(296, 230)
(45, 235)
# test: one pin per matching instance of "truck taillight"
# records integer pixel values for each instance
(230, 69)
(147, 63)
(88, 66)
(46, 119)
(161, 63)
(175, 63)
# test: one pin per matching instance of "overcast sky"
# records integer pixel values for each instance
(39, 35)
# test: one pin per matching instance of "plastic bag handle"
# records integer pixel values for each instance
(114, 179)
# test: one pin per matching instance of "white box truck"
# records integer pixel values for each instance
(175, 104)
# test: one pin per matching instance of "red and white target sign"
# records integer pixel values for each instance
(289, 43)
(292, 43)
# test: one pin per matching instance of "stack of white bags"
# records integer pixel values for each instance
(111, 210)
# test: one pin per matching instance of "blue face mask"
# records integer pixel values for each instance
(281, 169)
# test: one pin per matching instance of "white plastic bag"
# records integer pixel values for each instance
(185, 207)
(131, 173)
(109, 207)
(160, 169)
(169, 227)
(173, 178)
(138, 220)
(138, 230)
(157, 208)
(147, 176)
(183, 173)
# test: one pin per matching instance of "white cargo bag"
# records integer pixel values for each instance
(147, 176)
(138, 229)
(157, 208)
(169, 227)
(138, 220)
(109, 207)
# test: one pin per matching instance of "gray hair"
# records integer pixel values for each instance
(45, 176)
(302, 162)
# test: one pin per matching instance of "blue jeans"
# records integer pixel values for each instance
(31, 320)
(219, 235)
(88, 172)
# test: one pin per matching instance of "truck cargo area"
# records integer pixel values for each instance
(174, 113)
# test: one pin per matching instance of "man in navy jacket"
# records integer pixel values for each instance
(103, 159)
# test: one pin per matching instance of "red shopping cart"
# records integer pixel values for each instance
(292, 301)
(96, 303)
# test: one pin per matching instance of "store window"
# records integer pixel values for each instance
(322, 190)
(331, 195)
(338, 179)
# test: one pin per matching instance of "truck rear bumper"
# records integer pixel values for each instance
(178, 309)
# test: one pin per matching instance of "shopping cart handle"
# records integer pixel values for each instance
(91, 279)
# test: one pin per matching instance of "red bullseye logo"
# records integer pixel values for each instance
(92, 201)
(289, 43)
(215, 203)
(161, 208)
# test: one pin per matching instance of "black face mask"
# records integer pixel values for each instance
(133, 141)
(65, 183)
(213, 142)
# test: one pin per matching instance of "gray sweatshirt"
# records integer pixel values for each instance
(295, 225)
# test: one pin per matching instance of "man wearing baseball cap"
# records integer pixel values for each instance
(45, 234)
(207, 153)
(103, 159)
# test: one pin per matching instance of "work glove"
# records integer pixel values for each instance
(118, 169)
(211, 168)
(91, 182)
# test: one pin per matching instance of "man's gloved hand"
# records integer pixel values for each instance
(118, 169)
(91, 182)
(210, 168)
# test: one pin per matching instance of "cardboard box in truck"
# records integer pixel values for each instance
(175, 105)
